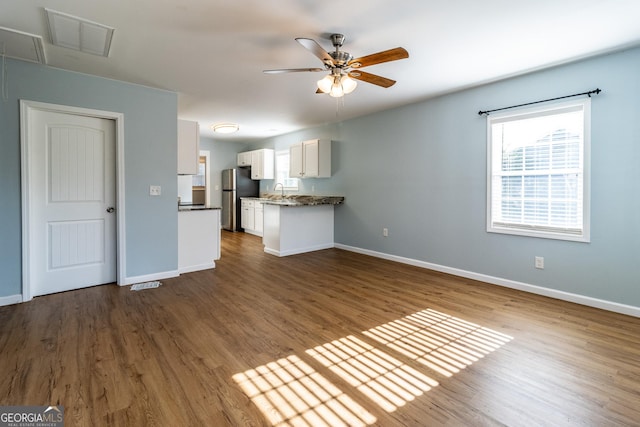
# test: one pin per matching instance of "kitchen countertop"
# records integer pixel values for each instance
(186, 208)
(298, 200)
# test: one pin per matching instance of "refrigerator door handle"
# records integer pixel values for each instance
(228, 210)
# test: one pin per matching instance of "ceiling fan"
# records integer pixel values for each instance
(343, 68)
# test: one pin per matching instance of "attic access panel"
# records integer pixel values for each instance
(20, 45)
(79, 34)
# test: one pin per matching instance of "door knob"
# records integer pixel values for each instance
(111, 209)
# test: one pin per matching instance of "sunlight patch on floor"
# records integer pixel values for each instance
(444, 343)
(290, 392)
(382, 378)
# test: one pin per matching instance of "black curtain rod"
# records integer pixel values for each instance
(596, 91)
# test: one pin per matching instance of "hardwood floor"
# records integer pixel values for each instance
(321, 339)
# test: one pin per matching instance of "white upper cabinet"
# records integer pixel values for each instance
(296, 163)
(188, 147)
(262, 162)
(310, 159)
(244, 159)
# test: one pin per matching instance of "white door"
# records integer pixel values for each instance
(71, 196)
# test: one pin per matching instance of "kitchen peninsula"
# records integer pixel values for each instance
(198, 238)
(298, 224)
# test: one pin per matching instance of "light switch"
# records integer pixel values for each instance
(155, 190)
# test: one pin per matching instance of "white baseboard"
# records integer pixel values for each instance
(539, 290)
(149, 277)
(193, 268)
(10, 300)
(15, 299)
(271, 251)
(299, 250)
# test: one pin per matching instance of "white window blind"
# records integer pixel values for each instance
(538, 171)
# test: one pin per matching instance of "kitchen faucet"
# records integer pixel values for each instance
(281, 185)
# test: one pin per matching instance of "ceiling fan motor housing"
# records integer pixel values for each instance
(341, 59)
(337, 40)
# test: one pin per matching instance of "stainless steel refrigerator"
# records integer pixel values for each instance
(236, 183)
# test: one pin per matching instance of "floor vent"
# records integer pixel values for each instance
(146, 285)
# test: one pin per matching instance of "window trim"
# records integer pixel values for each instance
(544, 232)
(288, 178)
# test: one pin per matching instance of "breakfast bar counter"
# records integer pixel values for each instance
(298, 224)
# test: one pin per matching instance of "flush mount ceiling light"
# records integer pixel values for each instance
(225, 127)
(79, 34)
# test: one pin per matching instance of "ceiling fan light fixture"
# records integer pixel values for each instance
(336, 89)
(325, 83)
(348, 84)
(337, 85)
(225, 127)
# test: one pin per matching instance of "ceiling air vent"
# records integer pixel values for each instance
(19, 45)
(79, 34)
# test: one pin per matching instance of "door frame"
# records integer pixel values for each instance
(207, 193)
(26, 109)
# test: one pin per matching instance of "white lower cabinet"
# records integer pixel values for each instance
(248, 215)
(259, 218)
(252, 216)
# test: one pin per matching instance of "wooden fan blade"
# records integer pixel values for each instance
(380, 57)
(371, 78)
(293, 70)
(316, 49)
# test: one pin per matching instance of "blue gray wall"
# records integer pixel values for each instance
(150, 135)
(420, 171)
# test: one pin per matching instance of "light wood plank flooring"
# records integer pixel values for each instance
(322, 339)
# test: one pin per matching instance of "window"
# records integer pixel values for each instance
(538, 172)
(282, 171)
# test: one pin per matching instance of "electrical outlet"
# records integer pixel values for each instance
(539, 262)
(385, 232)
(155, 190)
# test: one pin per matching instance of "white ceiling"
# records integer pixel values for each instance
(212, 52)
